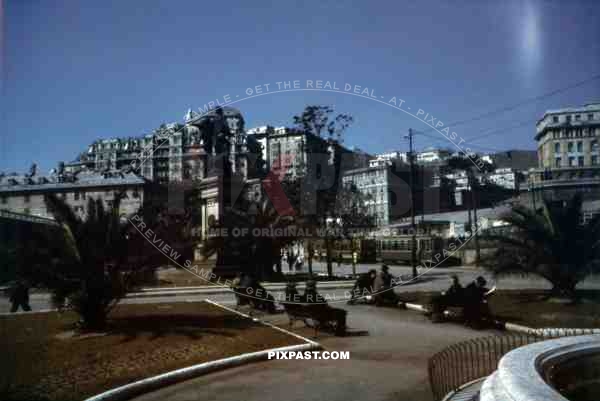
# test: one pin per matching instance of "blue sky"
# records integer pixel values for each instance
(75, 71)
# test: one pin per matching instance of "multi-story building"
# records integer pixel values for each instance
(294, 151)
(176, 152)
(26, 193)
(568, 149)
(386, 189)
(374, 183)
(433, 156)
(388, 158)
(506, 177)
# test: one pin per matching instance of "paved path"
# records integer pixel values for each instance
(390, 363)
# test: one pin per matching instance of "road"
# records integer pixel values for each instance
(437, 279)
(389, 362)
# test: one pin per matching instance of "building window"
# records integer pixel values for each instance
(570, 147)
(572, 161)
(568, 119)
(579, 146)
(76, 196)
(577, 117)
(590, 117)
(580, 161)
(555, 119)
(594, 146)
(557, 147)
(4, 200)
(26, 198)
(594, 160)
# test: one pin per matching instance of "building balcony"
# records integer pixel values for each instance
(574, 176)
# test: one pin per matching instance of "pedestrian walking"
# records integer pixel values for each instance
(19, 297)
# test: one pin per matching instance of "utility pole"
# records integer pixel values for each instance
(422, 191)
(473, 182)
(413, 241)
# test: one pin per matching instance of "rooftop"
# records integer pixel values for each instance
(19, 183)
(581, 109)
(462, 216)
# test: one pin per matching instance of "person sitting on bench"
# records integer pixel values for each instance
(363, 286)
(476, 307)
(453, 296)
(318, 305)
(383, 289)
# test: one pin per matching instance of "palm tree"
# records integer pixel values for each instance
(551, 242)
(250, 237)
(96, 254)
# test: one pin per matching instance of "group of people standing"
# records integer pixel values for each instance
(294, 258)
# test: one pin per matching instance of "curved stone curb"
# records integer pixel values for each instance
(545, 332)
(154, 383)
(31, 312)
(549, 331)
(415, 307)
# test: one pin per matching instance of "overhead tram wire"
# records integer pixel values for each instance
(534, 99)
(469, 141)
(497, 131)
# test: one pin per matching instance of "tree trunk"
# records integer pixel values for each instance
(89, 303)
(311, 251)
(329, 257)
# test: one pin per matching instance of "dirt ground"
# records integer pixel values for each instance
(43, 358)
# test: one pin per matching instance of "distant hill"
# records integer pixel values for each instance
(516, 159)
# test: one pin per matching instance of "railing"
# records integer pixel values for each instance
(27, 217)
(470, 360)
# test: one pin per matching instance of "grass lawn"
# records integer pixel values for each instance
(178, 277)
(531, 308)
(41, 358)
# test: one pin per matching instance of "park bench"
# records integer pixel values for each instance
(458, 308)
(246, 296)
(318, 316)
